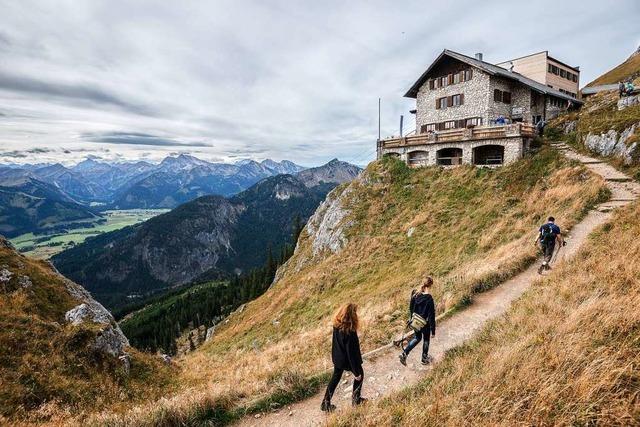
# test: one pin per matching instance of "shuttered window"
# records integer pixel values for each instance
(432, 84)
(473, 121)
(502, 96)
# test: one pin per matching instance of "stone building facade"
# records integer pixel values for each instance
(458, 92)
(528, 101)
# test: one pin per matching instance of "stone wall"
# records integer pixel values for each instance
(475, 101)
(478, 101)
(514, 149)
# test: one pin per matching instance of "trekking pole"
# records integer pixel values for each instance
(556, 255)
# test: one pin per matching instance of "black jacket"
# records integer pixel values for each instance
(424, 305)
(345, 351)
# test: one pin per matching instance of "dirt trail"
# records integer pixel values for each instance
(383, 372)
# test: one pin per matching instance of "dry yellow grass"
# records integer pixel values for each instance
(567, 353)
(48, 370)
(473, 229)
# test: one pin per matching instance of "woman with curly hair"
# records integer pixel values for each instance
(345, 354)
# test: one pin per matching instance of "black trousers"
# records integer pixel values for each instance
(420, 335)
(547, 249)
(335, 380)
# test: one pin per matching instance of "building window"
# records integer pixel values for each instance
(563, 73)
(429, 127)
(557, 102)
(441, 103)
(444, 81)
(457, 100)
(473, 121)
(575, 78)
(468, 74)
(502, 96)
(456, 78)
(451, 124)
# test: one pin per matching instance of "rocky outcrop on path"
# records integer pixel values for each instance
(613, 143)
(628, 101)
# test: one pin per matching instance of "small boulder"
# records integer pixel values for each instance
(109, 341)
(25, 282)
(628, 101)
(5, 275)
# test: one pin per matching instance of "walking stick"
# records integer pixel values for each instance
(555, 256)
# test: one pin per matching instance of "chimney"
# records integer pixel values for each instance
(479, 56)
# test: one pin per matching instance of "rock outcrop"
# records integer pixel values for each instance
(110, 339)
(613, 143)
(326, 228)
(628, 101)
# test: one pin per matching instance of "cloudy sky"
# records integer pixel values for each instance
(224, 80)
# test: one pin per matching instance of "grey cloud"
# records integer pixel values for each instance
(138, 138)
(78, 92)
(14, 154)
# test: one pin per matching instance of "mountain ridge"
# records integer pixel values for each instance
(209, 237)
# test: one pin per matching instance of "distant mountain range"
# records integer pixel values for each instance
(209, 237)
(29, 205)
(175, 180)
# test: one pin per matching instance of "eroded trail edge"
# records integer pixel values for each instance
(383, 372)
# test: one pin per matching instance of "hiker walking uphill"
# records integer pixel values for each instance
(548, 235)
(422, 309)
(346, 355)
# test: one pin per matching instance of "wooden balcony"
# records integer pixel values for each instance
(524, 130)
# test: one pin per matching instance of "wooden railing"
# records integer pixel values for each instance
(465, 134)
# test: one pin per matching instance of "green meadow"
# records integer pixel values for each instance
(44, 246)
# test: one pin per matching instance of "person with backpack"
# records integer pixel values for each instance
(346, 355)
(422, 310)
(548, 234)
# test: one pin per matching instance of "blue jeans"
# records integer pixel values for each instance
(422, 334)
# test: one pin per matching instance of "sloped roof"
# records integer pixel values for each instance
(491, 69)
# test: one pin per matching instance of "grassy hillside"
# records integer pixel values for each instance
(48, 367)
(567, 353)
(628, 69)
(471, 228)
(600, 114)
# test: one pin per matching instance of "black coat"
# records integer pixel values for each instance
(424, 305)
(345, 351)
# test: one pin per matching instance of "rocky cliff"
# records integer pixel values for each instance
(58, 346)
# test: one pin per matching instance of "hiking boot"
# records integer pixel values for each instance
(541, 269)
(427, 360)
(403, 359)
(359, 401)
(327, 406)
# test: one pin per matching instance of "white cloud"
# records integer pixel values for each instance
(259, 79)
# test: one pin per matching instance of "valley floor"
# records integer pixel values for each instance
(43, 246)
(383, 373)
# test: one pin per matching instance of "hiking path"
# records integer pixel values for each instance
(383, 372)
